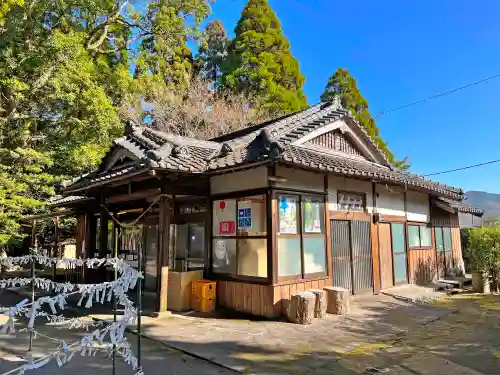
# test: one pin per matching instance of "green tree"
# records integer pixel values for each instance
(64, 74)
(260, 62)
(165, 59)
(344, 86)
(5, 7)
(484, 252)
(212, 51)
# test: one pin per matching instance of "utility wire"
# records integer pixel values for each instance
(462, 168)
(380, 114)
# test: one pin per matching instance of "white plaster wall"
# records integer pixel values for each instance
(390, 200)
(417, 206)
(237, 181)
(336, 183)
(299, 179)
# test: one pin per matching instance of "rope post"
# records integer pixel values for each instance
(32, 253)
(139, 304)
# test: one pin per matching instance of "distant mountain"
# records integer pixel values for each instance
(488, 202)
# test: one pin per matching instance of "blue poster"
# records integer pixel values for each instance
(244, 217)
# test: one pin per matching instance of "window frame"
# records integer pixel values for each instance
(420, 226)
(301, 234)
(350, 192)
(240, 236)
(441, 229)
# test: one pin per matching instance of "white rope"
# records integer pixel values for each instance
(92, 293)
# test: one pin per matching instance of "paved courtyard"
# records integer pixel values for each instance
(454, 335)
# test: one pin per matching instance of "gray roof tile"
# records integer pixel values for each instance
(265, 142)
(461, 206)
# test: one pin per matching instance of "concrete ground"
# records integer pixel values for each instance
(270, 347)
(453, 335)
(156, 357)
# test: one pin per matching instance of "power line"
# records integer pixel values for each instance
(462, 168)
(437, 96)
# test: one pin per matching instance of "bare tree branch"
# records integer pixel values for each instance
(201, 113)
(94, 42)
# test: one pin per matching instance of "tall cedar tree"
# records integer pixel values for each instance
(165, 61)
(261, 64)
(212, 52)
(343, 85)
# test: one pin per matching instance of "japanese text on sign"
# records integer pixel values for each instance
(227, 227)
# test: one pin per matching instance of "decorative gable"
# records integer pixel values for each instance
(335, 140)
(118, 159)
(343, 135)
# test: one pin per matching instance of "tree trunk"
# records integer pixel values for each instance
(301, 309)
(320, 303)
(339, 300)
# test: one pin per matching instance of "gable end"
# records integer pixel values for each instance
(335, 140)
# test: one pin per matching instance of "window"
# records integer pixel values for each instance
(314, 215)
(419, 236)
(239, 237)
(224, 256)
(288, 214)
(443, 238)
(301, 236)
(350, 201)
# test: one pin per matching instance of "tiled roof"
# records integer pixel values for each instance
(460, 206)
(362, 169)
(290, 128)
(267, 142)
(71, 199)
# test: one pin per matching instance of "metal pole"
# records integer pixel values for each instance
(32, 296)
(139, 299)
(32, 252)
(115, 233)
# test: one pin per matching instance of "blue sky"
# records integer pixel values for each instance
(400, 52)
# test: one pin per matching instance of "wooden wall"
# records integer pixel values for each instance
(255, 299)
(456, 243)
(262, 300)
(422, 267)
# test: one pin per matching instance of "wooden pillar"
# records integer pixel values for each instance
(91, 235)
(80, 235)
(163, 250)
(271, 221)
(103, 233)
(329, 260)
(375, 243)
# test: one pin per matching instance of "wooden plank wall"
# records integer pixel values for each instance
(375, 258)
(456, 243)
(422, 266)
(262, 300)
(386, 257)
(255, 299)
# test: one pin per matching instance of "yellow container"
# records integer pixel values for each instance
(203, 304)
(203, 289)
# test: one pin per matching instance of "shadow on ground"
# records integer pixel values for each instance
(454, 335)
